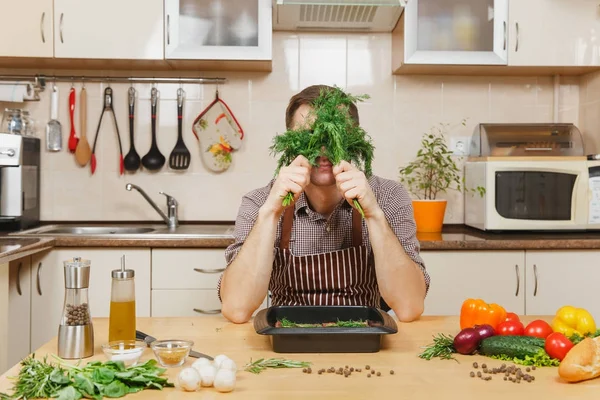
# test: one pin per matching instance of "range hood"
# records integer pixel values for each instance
(337, 15)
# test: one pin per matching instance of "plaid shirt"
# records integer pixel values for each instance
(312, 233)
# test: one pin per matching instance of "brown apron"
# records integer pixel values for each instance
(342, 277)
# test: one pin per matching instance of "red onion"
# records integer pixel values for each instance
(467, 341)
(485, 331)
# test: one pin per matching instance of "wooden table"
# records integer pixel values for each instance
(414, 378)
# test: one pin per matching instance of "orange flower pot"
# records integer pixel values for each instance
(429, 215)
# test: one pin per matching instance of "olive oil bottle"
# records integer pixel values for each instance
(121, 324)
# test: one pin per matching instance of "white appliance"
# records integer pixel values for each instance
(337, 15)
(536, 178)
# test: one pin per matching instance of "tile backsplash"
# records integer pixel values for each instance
(399, 111)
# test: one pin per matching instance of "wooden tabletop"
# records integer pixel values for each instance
(413, 378)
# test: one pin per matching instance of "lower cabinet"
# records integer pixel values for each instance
(562, 277)
(496, 277)
(184, 282)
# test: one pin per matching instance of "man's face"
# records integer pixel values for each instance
(321, 175)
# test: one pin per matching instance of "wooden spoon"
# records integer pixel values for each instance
(83, 153)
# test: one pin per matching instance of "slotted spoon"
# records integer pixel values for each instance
(180, 156)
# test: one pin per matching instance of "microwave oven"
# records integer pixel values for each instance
(535, 178)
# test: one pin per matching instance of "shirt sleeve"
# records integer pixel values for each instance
(247, 215)
(397, 207)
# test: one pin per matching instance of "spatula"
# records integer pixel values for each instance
(180, 156)
(83, 152)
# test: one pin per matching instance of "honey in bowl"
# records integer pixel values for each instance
(171, 353)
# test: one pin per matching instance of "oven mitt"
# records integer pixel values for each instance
(219, 134)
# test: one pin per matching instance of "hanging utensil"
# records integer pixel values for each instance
(154, 160)
(72, 138)
(180, 156)
(83, 152)
(108, 106)
(54, 128)
(132, 159)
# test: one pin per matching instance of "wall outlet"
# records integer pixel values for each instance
(460, 145)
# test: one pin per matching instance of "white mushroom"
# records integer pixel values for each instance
(188, 380)
(218, 360)
(200, 362)
(207, 375)
(229, 364)
(225, 380)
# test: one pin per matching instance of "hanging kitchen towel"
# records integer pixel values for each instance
(218, 133)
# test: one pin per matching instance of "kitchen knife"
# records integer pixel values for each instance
(149, 339)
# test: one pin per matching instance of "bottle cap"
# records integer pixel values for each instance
(123, 273)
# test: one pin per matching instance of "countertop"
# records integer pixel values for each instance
(413, 378)
(453, 237)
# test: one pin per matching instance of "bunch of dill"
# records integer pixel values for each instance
(333, 134)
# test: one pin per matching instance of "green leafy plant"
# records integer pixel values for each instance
(333, 134)
(434, 169)
(256, 367)
(96, 380)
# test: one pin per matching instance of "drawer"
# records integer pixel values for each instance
(187, 303)
(187, 268)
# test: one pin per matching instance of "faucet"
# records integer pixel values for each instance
(171, 220)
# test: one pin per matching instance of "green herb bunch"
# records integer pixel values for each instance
(256, 367)
(333, 134)
(96, 380)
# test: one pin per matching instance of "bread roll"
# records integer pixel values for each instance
(582, 362)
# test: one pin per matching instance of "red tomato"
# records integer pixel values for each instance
(558, 345)
(511, 316)
(538, 328)
(510, 328)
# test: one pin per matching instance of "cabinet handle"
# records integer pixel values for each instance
(209, 271)
(61, 27)
(19, 279)
(39, 285)
(211, 312)
(518, 279)
(517, 42)
(42, 27)
(168, 29)
(536, 279)
(9, 152)
(504, 47)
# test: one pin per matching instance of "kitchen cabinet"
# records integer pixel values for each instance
(218, 30)
(455, 32)
(109, 29)
(27, 30)
(553, 33)
(48, 285)
(562, 277)
(15, 309)
(495, 276)
(184, 282)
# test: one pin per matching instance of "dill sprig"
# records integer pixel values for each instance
(260, 365)
(442, 347)
(333, 134)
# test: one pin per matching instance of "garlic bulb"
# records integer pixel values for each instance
(188, 380)
(225, 380)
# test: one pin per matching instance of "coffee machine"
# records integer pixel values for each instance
(19, 182)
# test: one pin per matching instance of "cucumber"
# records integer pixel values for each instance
(511, 346)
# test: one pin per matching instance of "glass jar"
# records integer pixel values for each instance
(28, 124)
(122, 323)
(12, 122)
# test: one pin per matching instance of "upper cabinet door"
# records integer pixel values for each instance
(109, 29)
(554, 33)
(218, 29)
(459, 32)
(27, 30)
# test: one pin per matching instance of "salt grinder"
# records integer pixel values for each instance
(75, 332)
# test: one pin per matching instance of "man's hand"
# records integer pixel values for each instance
(293, 178)
(352, 184)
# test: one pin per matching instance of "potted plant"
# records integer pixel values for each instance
(434, 171)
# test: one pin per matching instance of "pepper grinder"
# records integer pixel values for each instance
(75, 332)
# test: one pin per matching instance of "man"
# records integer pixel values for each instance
(318, 250)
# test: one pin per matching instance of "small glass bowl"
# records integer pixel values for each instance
(171, 353)
(128, 351)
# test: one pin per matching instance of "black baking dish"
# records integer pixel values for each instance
(325, 339)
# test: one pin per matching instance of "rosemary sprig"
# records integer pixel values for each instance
(260, 365)
(333, 134)
(442, 347)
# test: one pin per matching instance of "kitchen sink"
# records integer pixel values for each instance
(133, 231)
(97, 230)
